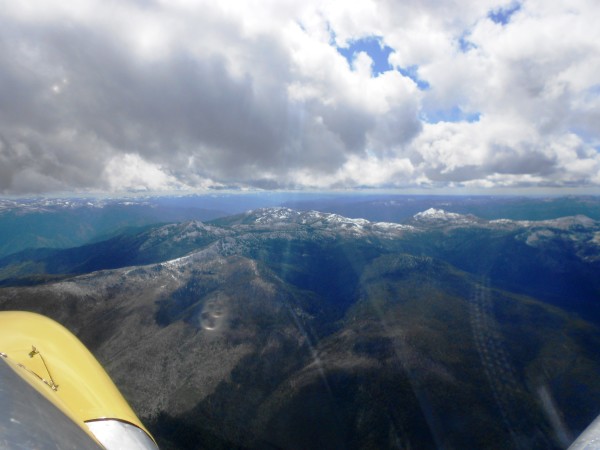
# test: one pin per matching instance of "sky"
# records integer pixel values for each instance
(186, 96)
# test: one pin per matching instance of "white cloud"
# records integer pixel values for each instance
(129, 172)
(188, 94)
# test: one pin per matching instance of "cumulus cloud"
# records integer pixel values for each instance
(134, 95)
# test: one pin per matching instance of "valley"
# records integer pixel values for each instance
(281, 328)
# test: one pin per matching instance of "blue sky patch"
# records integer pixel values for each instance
(464, 43)
(454, 114)
(593, 91)
(373, 47)
(502, 15)
(379, 53)
(412, 72)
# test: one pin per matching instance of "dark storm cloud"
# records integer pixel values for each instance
(506, 160)
(156, 109)
(397, 127)
(80, 96)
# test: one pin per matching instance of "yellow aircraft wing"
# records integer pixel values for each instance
(51, 361)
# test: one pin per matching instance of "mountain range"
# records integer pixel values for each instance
(72, 222)
(284, 328)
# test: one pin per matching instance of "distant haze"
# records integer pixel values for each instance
(151, 95)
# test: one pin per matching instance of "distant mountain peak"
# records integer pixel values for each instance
(274, 214)
(563, 223)
(283, 217)
(439, 214)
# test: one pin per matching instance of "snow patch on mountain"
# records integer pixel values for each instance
(281, 216)
(212, 252)
(561, 223)
(390, 226)
(433, 214)
(273, 215)
(315, 218)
